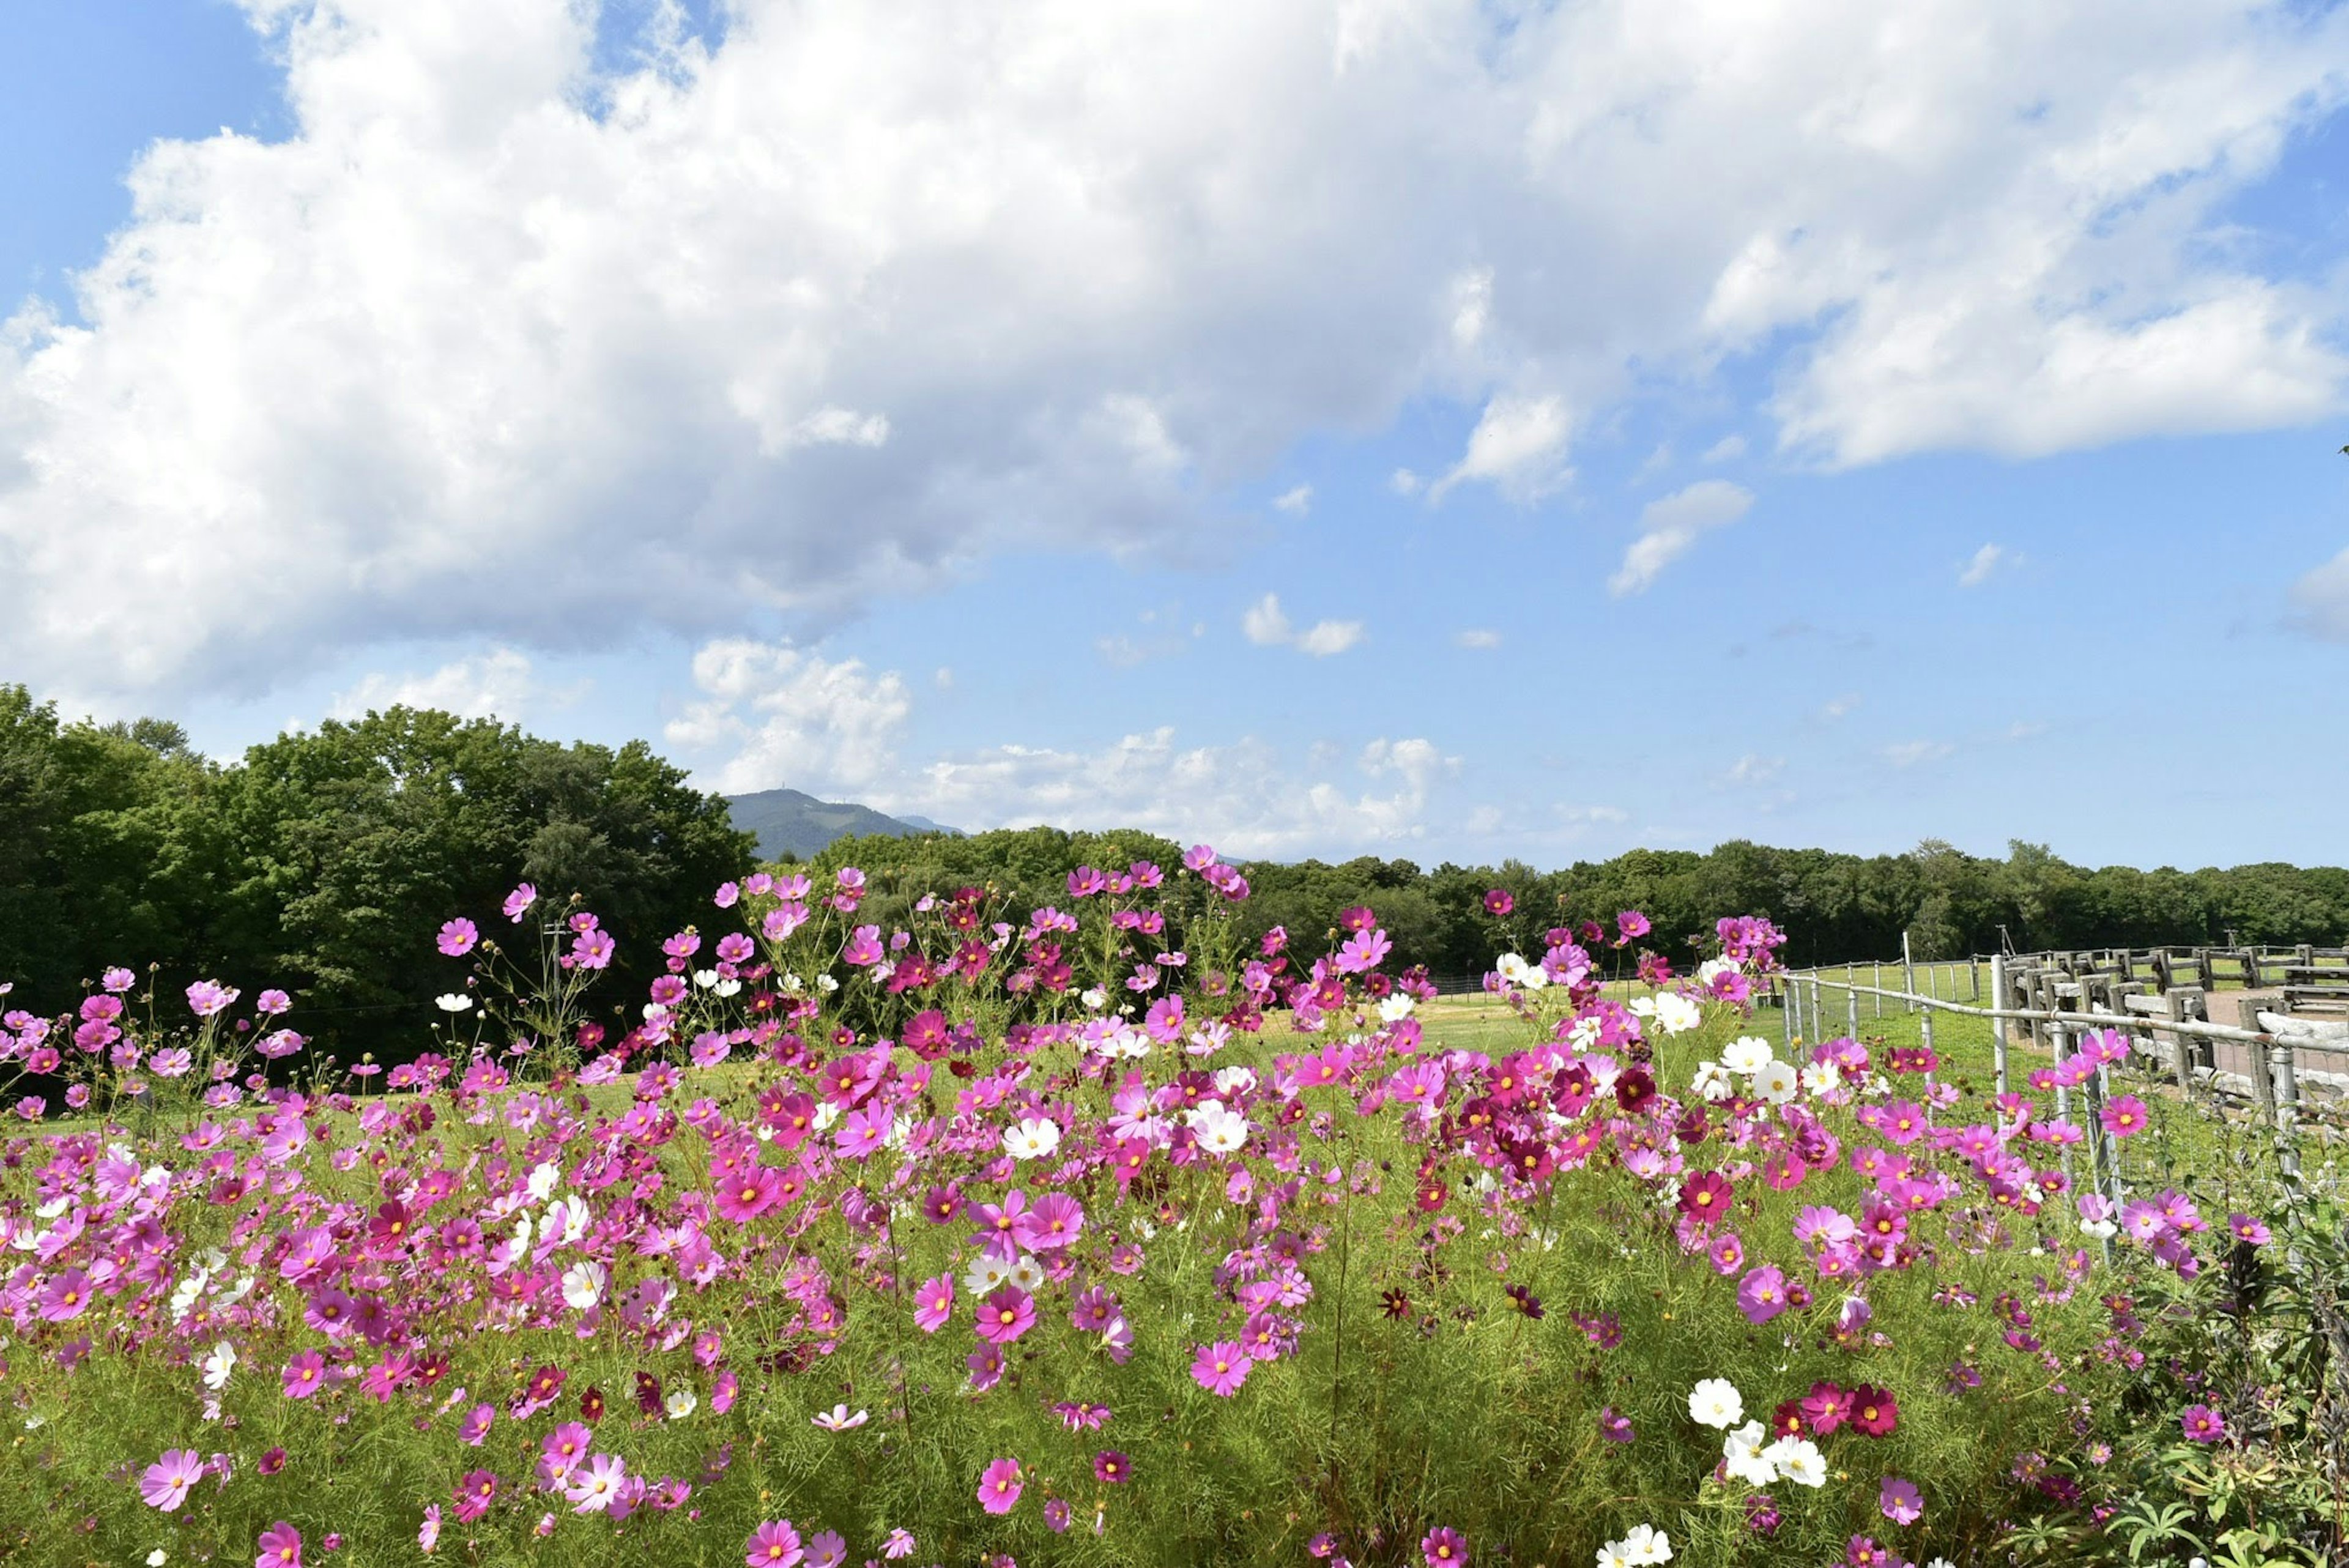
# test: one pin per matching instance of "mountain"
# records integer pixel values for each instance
(787, 819)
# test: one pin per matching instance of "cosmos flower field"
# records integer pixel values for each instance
(1074, 1234)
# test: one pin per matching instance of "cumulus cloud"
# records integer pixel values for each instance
(1909, 753)
(772, 714)
(1242, 797)
(1478, 637)
(2320, 599)
(503, 344)
(1297, 501)
(1266, 625)
(498, 684)
(1752, 769)
(1727, 449)
(785, 716)
(1669, 526)
(1518, 444)
(1986, 560)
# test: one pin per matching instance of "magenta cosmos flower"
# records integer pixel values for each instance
(999, 1486)
(2124, 1115)
(280, 1547)
(165, 1485)
(304, 1375)
(1499, 901)
(1762, 1295)
(1112, 1468)
(1221, 1367)
(1445, 1547)
(774, 1544)
(934, 1303)
(2203, 1423)
(1005, 1315)
(1901, 1501)
(458, 937)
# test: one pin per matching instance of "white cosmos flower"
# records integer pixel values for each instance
(1645, 1543)
(2099, 1229)
(1234, 1080)
(1819, 1077)
(1775, 1083)
(453, 1002)
(1027, 1274)
(1746, 1053)
(1033, 1138)
(543, 1178)
(1798, 1460)
(986, 1272)
(825, 1114)
(838, 1419)
(680, 1404)
(1512, 967)
(1219, 1131)
(705, 978)
(1396, 1008)
(1094, 998)
(584, 1282)
(219, 1365)
(1742, 1456)
(826, 983)
(1712, 1081)
(730, 986)
(1676, 1015)
(1716, 1403)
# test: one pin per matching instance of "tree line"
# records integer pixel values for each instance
(324, 860)
(1835, 906)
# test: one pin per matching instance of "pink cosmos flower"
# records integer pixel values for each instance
(934, 1303)
(66, 1297)
(1499, 901)
(1220, 1368)
(1445, 1548)
(166, 1482)
(280, 1547)
(900, 1543)
(209, 997)
(473, 1494)
(476, 1424)
(595, 1484)
(428, 1534)
(2203, 1423)
(999, 1486)
(774, 1544)
(1762, 1295)
(2247, 1228)
(825, 1549)
(272, 1002)
(2124, 1115)
(1005, 1315)
(519, 901)
(749, 1193)
(458, 937)
(306, 1374)
(1901, 1501)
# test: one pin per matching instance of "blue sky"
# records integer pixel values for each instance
(1408, 428)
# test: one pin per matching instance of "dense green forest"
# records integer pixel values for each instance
(323, 862)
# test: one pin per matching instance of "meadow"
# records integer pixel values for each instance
(1089, 1234)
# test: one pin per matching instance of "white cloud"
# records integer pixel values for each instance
(1909, 753)
(1477, 637)
(1403, 481)
(1985, 561)
(1669, 526)
(1727, 448)
(1242, 797)
(1835, 707)
(1295, 501)
(1266, 625)
(496, 345)
(1753, 769)
(784, 716)
(500, 684)
(2320, 599)
(1518, 444)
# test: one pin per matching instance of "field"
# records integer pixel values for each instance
(860, 1249)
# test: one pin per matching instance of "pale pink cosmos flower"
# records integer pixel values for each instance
(166, 1482)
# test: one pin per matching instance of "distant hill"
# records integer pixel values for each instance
(788, 819)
